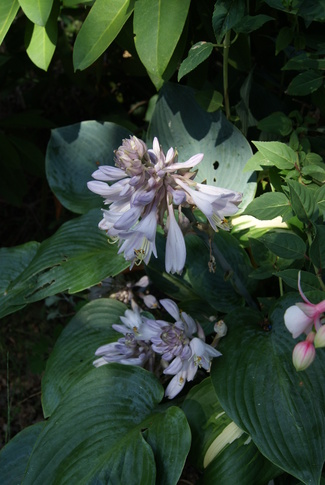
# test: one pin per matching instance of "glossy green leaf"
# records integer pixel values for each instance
(38, 11)
(178, 121)
(15, 455)
(268, 206)
(302, 200)
(104, 21)
(277, 153)
(74, 152)
(309, 282)
(317, 248)
(283, 39)
(305, 83)
(104, 427)
(76, 257)
(158, 25)
(261, 391)
(41, 40)
(13, 261)
(302, 62)
(284, 244)
(277, 123)
(226, 14)
(8, 12)
(249, 23)
(74, 351)
(198, 53)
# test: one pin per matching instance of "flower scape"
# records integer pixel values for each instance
(147, 185)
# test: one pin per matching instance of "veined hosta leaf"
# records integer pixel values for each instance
(158, 26)
(8, 11)
(104, 21)
(41, 40)
(74, 152)
(38, 11)
(259, 388)
(178, 121)
(76, 257)
(108, 424)
(219, 448)
(198, 53)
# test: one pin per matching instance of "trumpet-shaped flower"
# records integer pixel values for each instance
(145, 185)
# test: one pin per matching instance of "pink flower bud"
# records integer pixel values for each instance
(320, 337)
(304, 353)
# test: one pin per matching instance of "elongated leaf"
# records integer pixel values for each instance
(74, 351)
(104, 21)
(41, 40)
(198, 53)
(76, 257)
(309, 281)
(73, 154)
(227, 13)
(38, 11)
(260, 390)
(302, 201)
(14, 457)
(99, 432)
(305, 83)
(158, 26)
(279, 154)
(277, 123)
(250, 23)
(269, 205)
(178, 121)
(8, 12)
(303, 62)
(284, 244)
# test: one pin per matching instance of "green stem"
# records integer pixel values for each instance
(226, 46)
(281, 286)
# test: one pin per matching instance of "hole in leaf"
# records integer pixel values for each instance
(216, 165)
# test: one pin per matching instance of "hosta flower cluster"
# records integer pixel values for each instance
(305, 318)
(147, 185)
(182, 353)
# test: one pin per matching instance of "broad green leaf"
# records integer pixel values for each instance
(268, 206)
(309, 281)
(104, 21)
(257, 162)
(249, 23)
(76, 257)
(13, 261)
(303, 62)
(315, 172)
(178, 121)
(74, 152)
(226, 14)
(284, 244)
(317, 248)
(107, 424)
(198, 53)
(38, 11)
(74, 351)
(320, 199)
(277, 153)
(312, 11)
(210, 100)
(15, 455)
(158, 25)
(8, 12)
(258, 387)
(277, 123)
(227, 454)
(305, 83)
(283, 39)
(302, 200)
(41, 40)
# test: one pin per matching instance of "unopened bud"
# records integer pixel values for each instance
(303, 354)
(220, 328)
(320, 337)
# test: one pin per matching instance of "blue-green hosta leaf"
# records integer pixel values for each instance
(15, 455)
(178, 121)
(198, 53)
(76, 257)
(158, 25)
(108, 424)
(103, 23)
(74, 152)
(38, 11)
(8, 11)
(258, 387)
(219, 448)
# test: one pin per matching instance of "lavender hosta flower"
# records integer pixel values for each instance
(301, 317)
(145, 185)
(185, 370)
